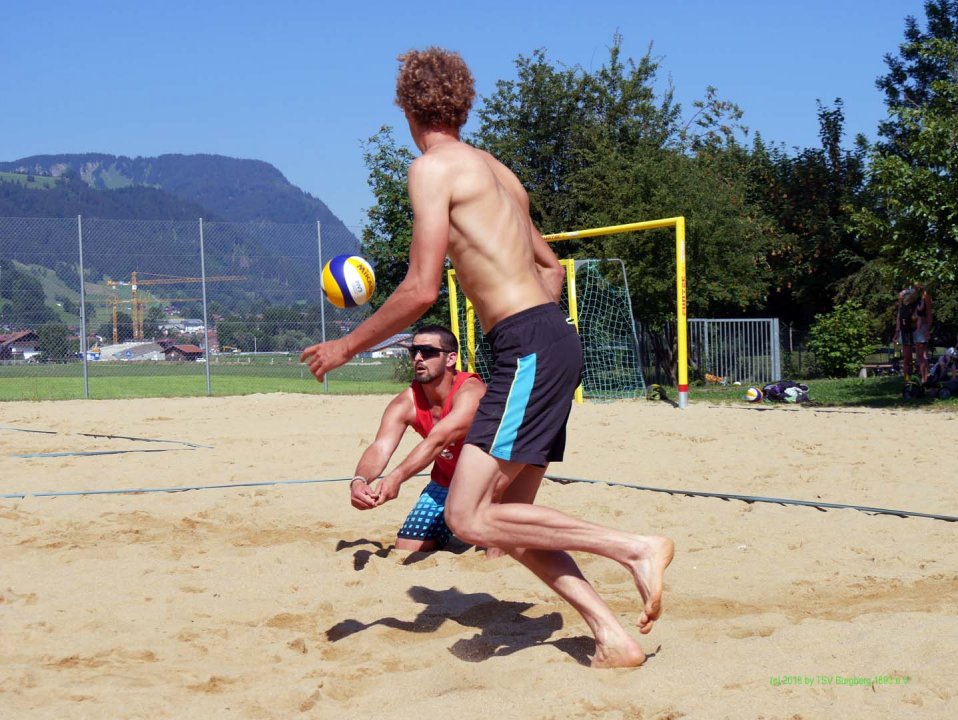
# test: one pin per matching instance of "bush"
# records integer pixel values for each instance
(841, 340)
(402, 370)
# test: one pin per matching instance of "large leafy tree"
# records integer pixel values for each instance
(604, 147)
(811, 196)
(913, 223)
(530, 125)
(551, 124)
(914, 73)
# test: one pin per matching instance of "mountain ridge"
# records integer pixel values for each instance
(234, 189)
(245, 196)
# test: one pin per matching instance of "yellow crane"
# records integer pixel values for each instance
(115, 302)
(136, 304)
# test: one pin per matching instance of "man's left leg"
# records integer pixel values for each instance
(614, 646)
(921, 357)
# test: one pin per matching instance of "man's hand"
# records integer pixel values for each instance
(361, 495)
(324, 357)
(387, 489)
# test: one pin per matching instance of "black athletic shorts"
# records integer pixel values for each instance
(537, 365)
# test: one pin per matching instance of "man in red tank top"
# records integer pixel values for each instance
(439, 405)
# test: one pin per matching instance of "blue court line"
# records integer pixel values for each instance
(822, 506)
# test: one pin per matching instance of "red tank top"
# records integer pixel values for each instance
(445, 463)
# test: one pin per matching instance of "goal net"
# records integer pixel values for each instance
(596, 297)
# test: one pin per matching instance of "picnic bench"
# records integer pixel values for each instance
(875, 369)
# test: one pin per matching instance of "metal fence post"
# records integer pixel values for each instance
(83, 334)
(206, 320)
(776, 350)
(322, 305)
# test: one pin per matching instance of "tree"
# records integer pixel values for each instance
(152, 320)
(913, 223)
(54, 340)
(913, 73)
(604, 147)
(551, 125)
(124, 328)
(811, 196)
(841, 339)
(27, 305)
(532, 124)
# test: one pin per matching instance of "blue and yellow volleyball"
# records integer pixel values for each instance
(753, 395)
(348, 281)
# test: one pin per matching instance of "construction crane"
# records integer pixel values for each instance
(136, 305)
(114, 302)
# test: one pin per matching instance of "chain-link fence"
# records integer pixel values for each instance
(740, 350)
(171, 308)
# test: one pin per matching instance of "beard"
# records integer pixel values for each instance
(426, 377)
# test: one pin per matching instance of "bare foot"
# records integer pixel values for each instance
(621, 651)
(648, 569)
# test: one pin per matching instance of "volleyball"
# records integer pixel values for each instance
(753, 394)
(348, 281)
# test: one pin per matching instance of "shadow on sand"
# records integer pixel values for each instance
(503, 627)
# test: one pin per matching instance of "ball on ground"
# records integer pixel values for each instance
(753, 395)
(348, 281)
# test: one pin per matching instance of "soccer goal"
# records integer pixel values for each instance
(596, 298)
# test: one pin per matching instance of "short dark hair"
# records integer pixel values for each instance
(447, 339)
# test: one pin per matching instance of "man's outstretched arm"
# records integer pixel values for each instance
(418, 290)
(450, 429)
(399, 415)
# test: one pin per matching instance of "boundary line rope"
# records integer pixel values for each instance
(820, 506)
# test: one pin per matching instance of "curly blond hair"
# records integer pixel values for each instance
(435, 87)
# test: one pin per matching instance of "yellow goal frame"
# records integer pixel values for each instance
(680, 282)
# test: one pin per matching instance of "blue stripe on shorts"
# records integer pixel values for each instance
(425, 521)
(516, 405)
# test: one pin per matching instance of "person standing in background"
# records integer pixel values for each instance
(913, 329)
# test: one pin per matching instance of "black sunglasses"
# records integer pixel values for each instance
(428, 352)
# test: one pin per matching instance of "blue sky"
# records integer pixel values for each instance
(302, 84)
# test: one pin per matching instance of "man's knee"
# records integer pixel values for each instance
(465, 525)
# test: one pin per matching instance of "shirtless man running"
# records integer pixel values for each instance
(472, 207)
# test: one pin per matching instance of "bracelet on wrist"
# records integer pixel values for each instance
(358, 477)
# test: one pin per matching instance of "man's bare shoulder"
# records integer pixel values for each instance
(404, 406)
(475, 381)
(447, 153)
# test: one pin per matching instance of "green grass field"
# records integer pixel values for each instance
(245, 375)
(30, 181)
(169, 379)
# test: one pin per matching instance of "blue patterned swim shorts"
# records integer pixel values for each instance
(425, 521)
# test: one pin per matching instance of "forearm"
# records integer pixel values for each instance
(371, 464)
(417, 460)
(401, 309)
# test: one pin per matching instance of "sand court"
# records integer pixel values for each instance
(280, 600)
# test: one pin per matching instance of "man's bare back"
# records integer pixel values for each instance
(501, 261)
